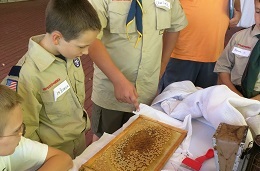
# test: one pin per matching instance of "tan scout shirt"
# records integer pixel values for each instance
(140, 65)
(236, 54)
(51, 120)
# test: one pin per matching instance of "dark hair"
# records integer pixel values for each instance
(9, 99)
(71, 18)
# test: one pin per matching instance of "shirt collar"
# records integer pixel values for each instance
(255, 31)
(41, 57)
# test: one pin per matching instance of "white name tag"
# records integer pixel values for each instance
(162, 4)
(241, 52)
(60, 89)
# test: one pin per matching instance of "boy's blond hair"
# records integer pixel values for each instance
(9, 99)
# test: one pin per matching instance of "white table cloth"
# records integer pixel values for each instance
(208, 107)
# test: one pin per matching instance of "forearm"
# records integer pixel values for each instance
(237, 14)
(237, 5)
(169, 41)
(225, 79)
(57, 163)
(257, 97)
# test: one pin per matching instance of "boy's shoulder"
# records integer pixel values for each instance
(22, 158)
(244, 31)
(29, 147)
(243, 34)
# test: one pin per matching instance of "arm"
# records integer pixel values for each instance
(237, 14)
(257, 97)
(169, 41)
(56, 160)
(170, 35)
(224, 78)
(124, 90)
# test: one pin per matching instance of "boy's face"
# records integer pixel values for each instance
(257, 14)
(12, 132)
(77, 47)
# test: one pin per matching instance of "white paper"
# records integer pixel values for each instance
(60, 89)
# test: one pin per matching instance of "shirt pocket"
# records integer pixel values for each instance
(80, 86)
(163, 17)
(240, 64)
(118, 11)
(62, 107)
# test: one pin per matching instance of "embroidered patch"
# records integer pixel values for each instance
(76, 62)
(49, 86)
(12, 84)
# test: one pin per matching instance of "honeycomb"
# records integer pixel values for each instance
(145, 145)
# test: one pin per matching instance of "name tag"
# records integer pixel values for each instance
(163, 4)
(241, 52)
(60, 89)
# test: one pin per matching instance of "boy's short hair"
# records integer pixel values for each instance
(71, 17)
(9, 99)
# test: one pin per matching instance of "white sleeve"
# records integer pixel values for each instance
(248, 11)
(29, 155)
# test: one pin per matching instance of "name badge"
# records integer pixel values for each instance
(163, 4)
(60, 89)
(241, 52)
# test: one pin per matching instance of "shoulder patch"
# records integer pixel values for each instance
(76, 62)
(15, 70)
(12, 84)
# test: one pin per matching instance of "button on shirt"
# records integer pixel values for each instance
(140, 65)
(235, 56)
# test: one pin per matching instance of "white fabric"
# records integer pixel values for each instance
(201, 142)
(175, 159)
(216, 104)
(183, 100)
(248, 10)
(28, 156)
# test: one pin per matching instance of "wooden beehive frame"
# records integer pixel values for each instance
(146, 144)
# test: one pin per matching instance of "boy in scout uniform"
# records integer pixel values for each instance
(239, 65)
(139, 36)
(51, 80)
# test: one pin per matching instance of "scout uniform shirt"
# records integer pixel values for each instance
(140, 64)
(235, 56)
(53, 92)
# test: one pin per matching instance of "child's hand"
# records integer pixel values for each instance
(126, 92)
(234, 21)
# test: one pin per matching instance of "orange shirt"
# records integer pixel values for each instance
(203, 39)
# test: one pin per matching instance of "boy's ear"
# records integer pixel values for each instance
(56, 36)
